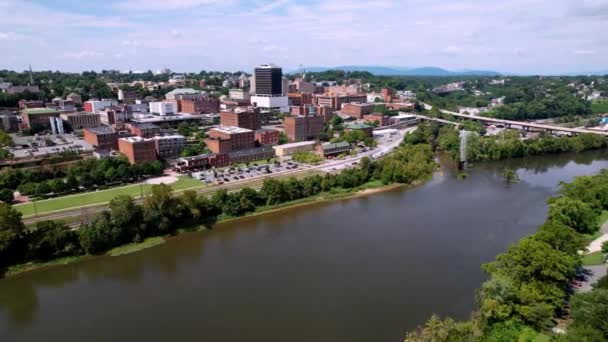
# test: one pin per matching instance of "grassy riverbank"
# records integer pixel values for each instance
(366, 189)
(99, 197)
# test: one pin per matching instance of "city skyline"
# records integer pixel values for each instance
(519, 37)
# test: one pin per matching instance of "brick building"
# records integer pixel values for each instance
(227, 139)
(299, 99)
(38, 116)
(243, 119)
(382, 119)
(336, 101)
(202, 162)
(267, 137)
(102, 138)
(138, 150)
(357, 110)
(144, 130)
(199, 106)
(82, 120)
(387, 94)
(23, 104)
(303, 127)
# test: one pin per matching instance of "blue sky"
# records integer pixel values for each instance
(518, 36)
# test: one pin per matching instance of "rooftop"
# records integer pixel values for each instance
(231, 129)
(100, 130)
(41, 111)
(339, 144)
(357, 126)
(297, 144)
(183, 91)
(134, 139)
(169, 137)
(145, 125)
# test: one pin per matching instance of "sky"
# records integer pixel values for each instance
(514, 36)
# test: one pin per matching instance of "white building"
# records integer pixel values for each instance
(168, 146)
(163, 108)
(472, 110)
(239, 94)
(269, 103)
(371, 97)
(289, 149)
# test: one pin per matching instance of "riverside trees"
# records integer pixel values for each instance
(530, 283)
(163, 212)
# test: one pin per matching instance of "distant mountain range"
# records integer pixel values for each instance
(398, 71)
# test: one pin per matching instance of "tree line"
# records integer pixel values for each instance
(84, 175)
(163, 212)
(530, 284)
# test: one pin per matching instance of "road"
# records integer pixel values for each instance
(255, 183)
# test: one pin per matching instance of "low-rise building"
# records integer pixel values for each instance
(289, 149)
(336, 101)
(381, 119)
(252, 154)
(23, 104)
(75, 98)
(102, 138)
(367, 129)
(127, 96)
(144, 130)
(114, 116)
(239, 94)
(199, 106)
(95, 106)
(38, 117)
(332, 149)
(138, 150)
(202, 162)
(82, 120)
(184, 93)
(357, 110)
(267, 137)
(300, 99)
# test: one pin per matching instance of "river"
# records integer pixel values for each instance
(362, 269)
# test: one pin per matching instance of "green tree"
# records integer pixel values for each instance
(12, 232)
(52, 239)
(125, 214)
(573, 213)
(6, 196)
(591, 309)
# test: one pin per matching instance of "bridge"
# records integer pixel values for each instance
(525, 125)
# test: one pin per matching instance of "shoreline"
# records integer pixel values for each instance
(21, 269)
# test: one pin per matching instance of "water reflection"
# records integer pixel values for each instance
(331, 267)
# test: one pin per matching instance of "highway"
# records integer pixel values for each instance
(256, 183)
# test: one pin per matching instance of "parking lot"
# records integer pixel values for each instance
(254, 170)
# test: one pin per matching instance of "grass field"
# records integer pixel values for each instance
(97, 197)
(593, 259)
(599, 106)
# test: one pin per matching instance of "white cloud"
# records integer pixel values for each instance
(163, 5)
(176, 33)
(8, 36)
(82, 54)
(584, 52)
